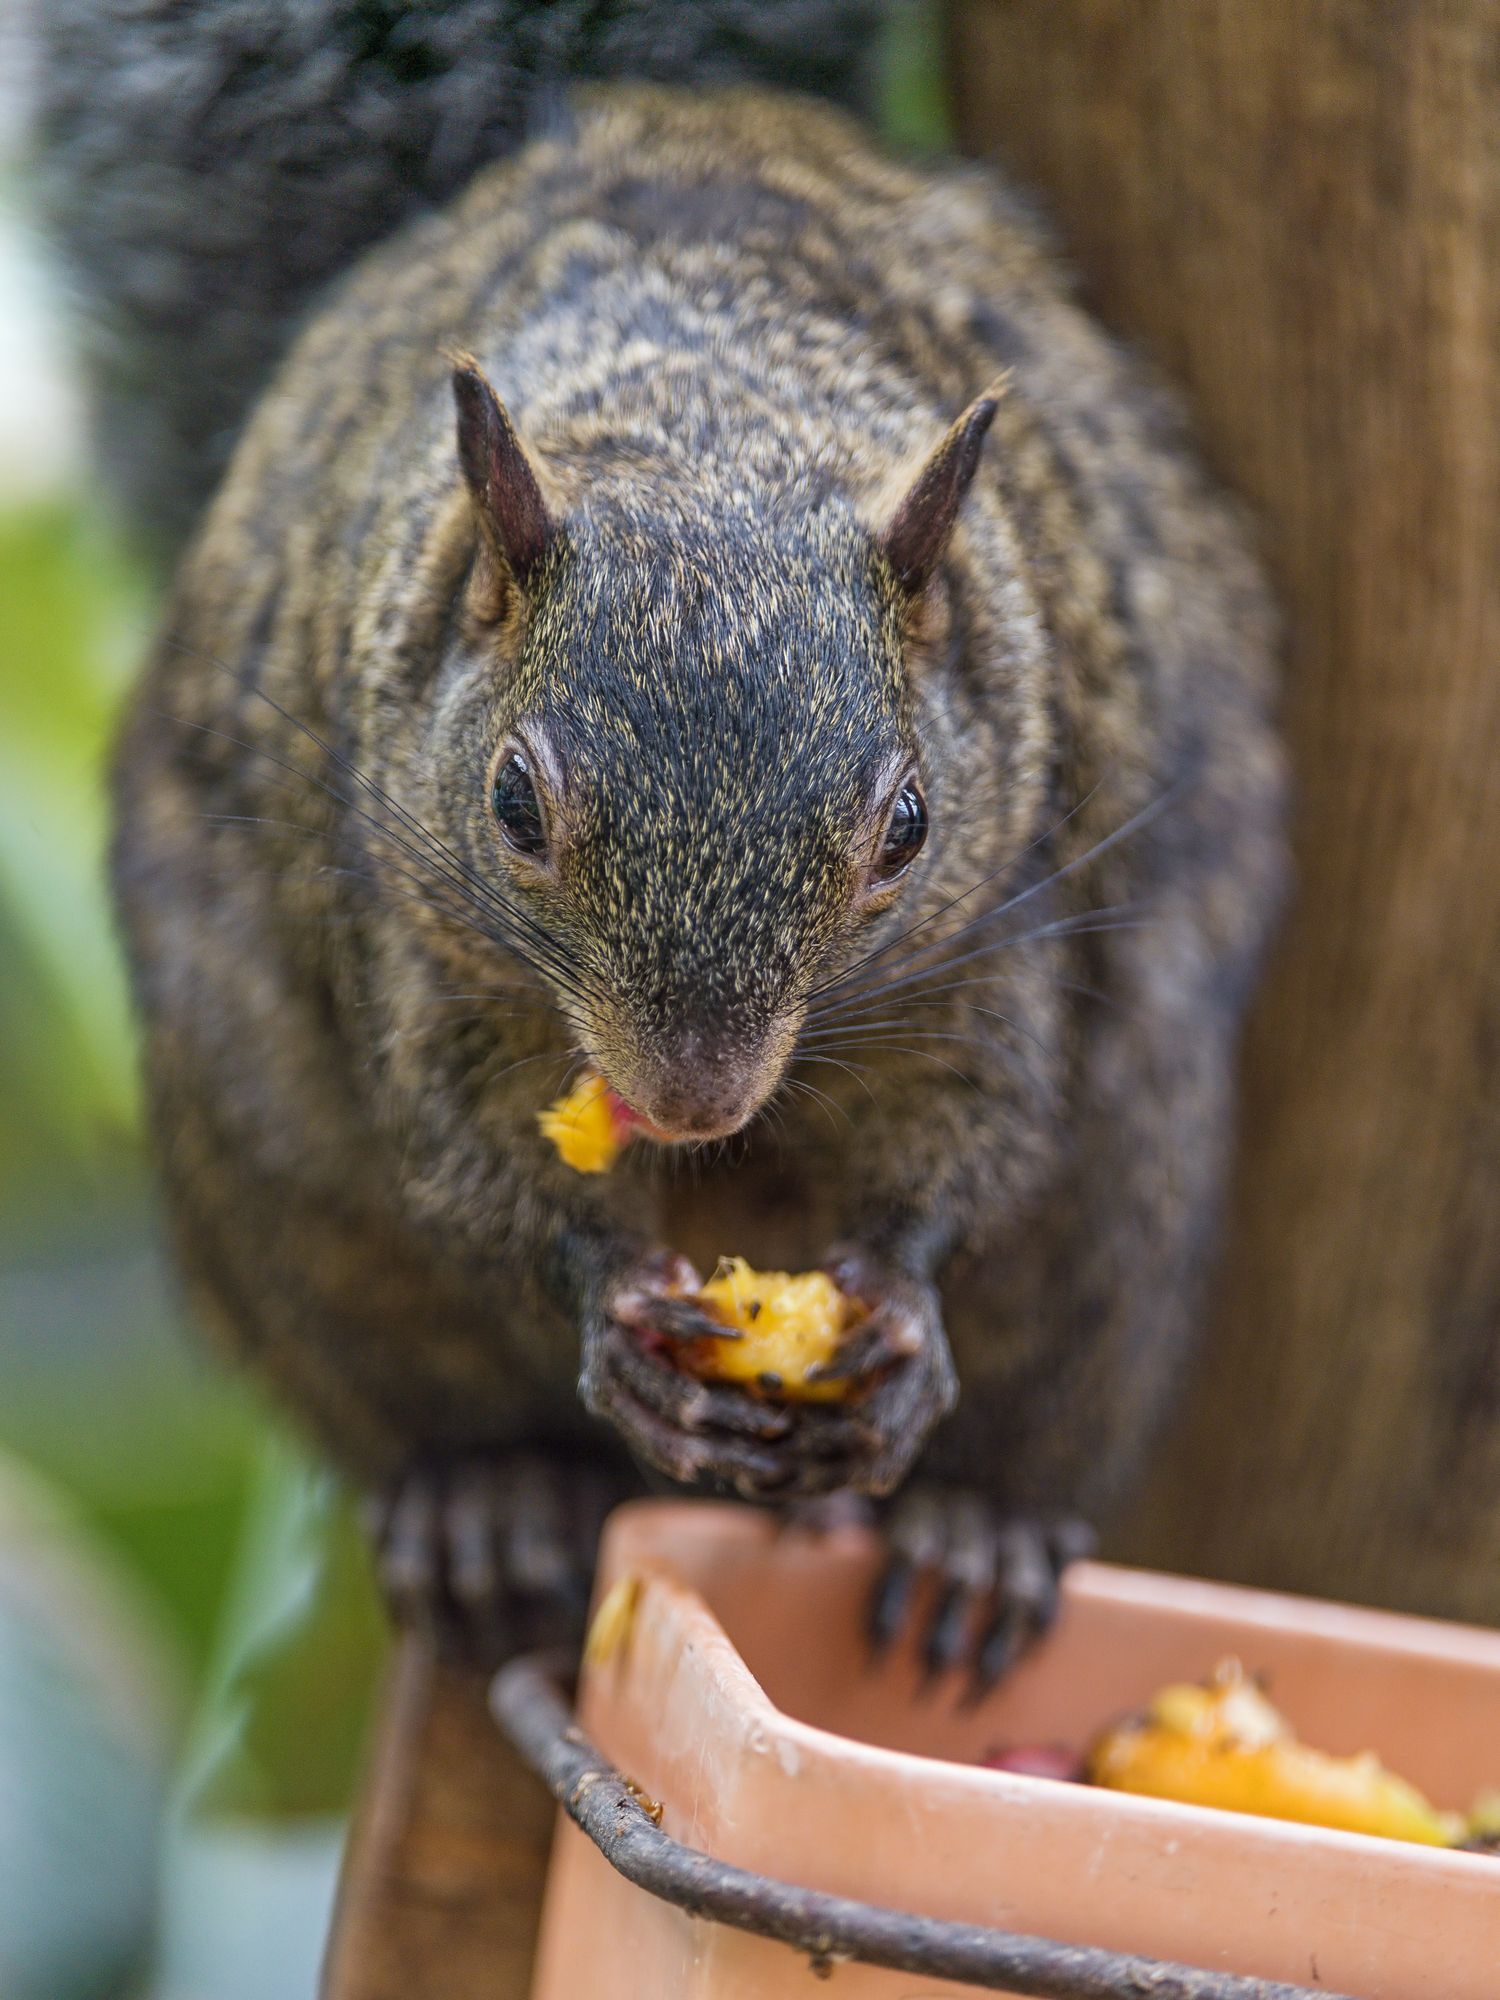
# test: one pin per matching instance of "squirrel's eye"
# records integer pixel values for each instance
(905, 831)
(517, 806)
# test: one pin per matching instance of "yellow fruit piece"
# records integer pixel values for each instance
(610, 1630)
(584, 1128)
(788, 1322)
(1225, 1745)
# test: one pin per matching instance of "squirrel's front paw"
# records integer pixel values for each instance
(697, 1433)
(899, 1373)
(897, 1364)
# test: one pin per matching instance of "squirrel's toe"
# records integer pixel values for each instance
(491, 1553)
(970, 1587)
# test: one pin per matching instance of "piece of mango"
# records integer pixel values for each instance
(1223, 1744)
(586, 1126)
(788, 1322)
(609, 1633)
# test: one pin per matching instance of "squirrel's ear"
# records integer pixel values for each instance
(917, 532)
(514, 522)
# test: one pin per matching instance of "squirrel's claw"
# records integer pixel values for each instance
(490, 1553)
(696, 1406)
(900, 1319)
(694, 1459)
(868, 1351)
(708, 1434)
(897, 1364)
(992, 1582)
(697, 1433)
(681, 1320)
(659, 1298)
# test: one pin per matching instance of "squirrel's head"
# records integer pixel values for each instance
(701, 780)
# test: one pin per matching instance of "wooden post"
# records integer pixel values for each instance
(442, 1880)
(1296, 209)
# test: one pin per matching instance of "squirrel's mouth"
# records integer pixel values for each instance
(633, 1124)
(690, 1119)
(637, 1124)
(697, 1088)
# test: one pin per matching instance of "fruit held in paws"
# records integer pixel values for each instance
(789, 1323)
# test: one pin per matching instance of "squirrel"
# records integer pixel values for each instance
(706, 599)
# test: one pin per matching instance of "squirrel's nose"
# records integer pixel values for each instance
(688, 1107)
(700, 1089)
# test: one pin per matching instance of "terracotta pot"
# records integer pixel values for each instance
(743, 1700)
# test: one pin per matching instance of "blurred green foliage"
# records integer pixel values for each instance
(244, 1557)
(67, 609)
(285, 1703)
(167, 1457)
(913, 89)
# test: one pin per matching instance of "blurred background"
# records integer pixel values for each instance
(189, 1645)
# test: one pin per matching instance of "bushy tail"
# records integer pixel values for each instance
(206, 168)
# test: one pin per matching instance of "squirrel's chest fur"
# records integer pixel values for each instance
(722, 294)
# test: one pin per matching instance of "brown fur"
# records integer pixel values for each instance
(728, 331)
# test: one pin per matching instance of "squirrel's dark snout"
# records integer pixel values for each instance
(692, 1106)
(699, 1085)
